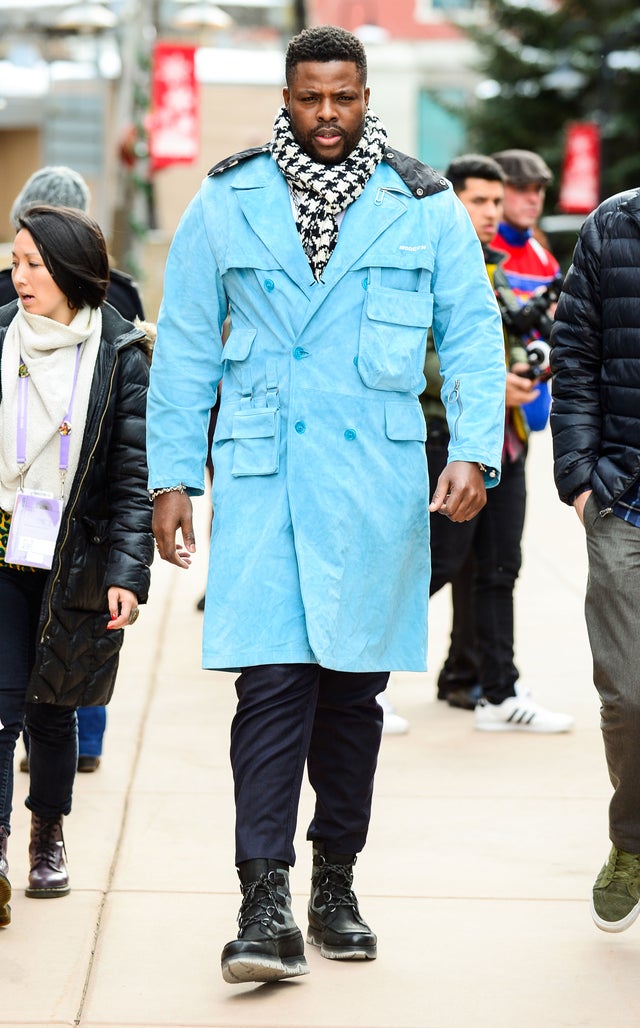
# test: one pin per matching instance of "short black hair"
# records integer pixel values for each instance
(325, 43)
(74, 251)
(473, 165)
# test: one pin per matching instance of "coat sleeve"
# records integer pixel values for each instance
(187, 357)
(467, 330)
(576, 360)
(130, 538)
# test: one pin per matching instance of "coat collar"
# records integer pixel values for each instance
(263, 196)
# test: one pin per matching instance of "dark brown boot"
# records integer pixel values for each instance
(48, 877)
(335, 924)
(5, 887)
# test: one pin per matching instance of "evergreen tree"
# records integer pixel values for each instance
(550, 62)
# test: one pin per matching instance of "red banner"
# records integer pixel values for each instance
(173, 124)
(580, 182)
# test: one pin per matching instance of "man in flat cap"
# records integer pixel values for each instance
(528, 264)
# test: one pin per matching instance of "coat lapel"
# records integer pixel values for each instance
(364, 222)
(267, 208)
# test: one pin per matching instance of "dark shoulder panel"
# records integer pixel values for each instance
(7, 292)
(421, 179)
(237, 158)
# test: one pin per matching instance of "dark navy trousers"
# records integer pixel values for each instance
(289, 714)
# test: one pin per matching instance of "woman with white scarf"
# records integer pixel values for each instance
(75, 516)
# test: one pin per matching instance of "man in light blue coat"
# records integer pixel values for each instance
(332, 254)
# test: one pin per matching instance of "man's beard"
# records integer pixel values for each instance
(307, 143)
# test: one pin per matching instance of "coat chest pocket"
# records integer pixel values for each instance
(256, 435)
(393, 334)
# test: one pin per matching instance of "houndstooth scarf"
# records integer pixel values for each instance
(321, 191)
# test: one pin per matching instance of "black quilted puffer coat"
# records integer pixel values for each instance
(595, 357)
(105, 537)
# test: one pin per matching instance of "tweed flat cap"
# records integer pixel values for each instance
(523, 167)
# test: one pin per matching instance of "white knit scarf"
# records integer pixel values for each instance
(48, 349)
(321, 191)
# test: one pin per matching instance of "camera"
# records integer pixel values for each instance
(532, 322)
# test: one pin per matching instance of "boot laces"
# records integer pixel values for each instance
(46, 845)
(260, 902)
(335, 885)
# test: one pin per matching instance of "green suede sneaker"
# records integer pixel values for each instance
(616, 893)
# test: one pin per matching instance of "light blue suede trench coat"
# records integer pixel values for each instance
(320, 541)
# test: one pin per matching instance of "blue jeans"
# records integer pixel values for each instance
(53, 731)
(92, 722)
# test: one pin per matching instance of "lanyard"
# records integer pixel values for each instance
(65, 426)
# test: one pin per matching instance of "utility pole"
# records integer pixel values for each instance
(299, 15)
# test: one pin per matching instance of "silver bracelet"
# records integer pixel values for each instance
(167, 489)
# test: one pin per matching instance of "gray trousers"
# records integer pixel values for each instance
(612, 611)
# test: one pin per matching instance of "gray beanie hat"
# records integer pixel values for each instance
(57, 186)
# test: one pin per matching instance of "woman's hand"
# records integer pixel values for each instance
(123, 607)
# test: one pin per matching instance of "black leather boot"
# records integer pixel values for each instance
(48, 875)
(5, 887)
(269, 944)
(335, 924)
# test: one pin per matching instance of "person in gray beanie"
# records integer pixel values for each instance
(58, 186)
(61, 186)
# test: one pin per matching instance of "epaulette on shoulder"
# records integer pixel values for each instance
(237, 158)
(422, 179)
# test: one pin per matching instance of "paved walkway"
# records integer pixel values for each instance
(482, 851)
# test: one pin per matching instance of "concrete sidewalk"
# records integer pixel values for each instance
(482, 853)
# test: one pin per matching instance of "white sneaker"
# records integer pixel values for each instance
(520, 714)
(392, 723)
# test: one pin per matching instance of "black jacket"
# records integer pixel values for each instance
(595, 357)
(105, 536)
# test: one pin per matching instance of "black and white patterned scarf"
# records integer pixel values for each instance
(321, 191)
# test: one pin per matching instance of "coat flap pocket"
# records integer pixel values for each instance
(238, 345)
(399, 307)
(405, 421)
(254, 424)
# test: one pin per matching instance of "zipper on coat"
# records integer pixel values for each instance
(72, 503)
(454, 398)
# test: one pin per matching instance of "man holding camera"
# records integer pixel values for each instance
(481, 558)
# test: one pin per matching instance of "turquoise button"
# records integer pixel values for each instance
(355, 360)
(300, 427)
(365, 283)
(269, 285)
(350, 433)
(299, 353)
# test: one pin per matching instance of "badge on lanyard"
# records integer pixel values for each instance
(37, 516)
(35, 524)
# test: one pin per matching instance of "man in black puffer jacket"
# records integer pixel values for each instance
(595, 422)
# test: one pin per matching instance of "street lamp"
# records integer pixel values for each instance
(201, 15)
(85, 18)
